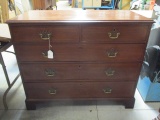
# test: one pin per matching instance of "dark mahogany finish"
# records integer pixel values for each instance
(75, 90)
(81, 52)
(80, 72)
(97, 54)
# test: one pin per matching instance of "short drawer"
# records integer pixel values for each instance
(56, 72)
(80, 90)
(113, 34)
(84, 52)
(40, 33)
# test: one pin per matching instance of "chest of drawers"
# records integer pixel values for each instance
(96, 54)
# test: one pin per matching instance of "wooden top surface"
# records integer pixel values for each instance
(78, 16)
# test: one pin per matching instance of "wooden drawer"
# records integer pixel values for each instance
(54, 72)
(84, 52)
(124, 34)
(79, 90)
(67, 33)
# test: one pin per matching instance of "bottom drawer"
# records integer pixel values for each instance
(77, 90)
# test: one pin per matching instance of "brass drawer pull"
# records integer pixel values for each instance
(44, 54)
(110, 72)
(107, 90)
(52, 91)
(112, 53)
(113, 34)
(47, 55)
(45, 36)
(50, 72)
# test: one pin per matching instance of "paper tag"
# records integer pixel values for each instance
(50, 54)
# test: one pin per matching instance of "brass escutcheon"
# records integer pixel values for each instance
(52, 91)
(44, 54)
(112, 52)
(45, 35)
(49, 72)
(107, 90)
(113, 34)
(110, 72)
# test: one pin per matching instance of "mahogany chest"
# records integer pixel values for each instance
(80, 55)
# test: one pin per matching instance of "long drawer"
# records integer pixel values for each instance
(82, 52)
(79, 90)
(40, 72)
(40, 33)
(117, 33)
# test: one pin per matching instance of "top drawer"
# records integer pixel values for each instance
(118, 34)
(56, 33)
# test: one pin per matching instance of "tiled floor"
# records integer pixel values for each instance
(65, 110)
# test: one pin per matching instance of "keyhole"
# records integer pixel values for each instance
(114, 30)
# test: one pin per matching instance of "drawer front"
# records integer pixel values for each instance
(85, 52)
(79, 90)
(120, 34)
(50, 72)
(56, 33)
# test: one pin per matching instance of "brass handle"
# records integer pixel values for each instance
(45, 36)
(52, 91)
(113, 37)
(112, 53)
(48, 54)
(50, 72)
(110, 72)
(44, 54)
(113, 34)
(107, 90)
